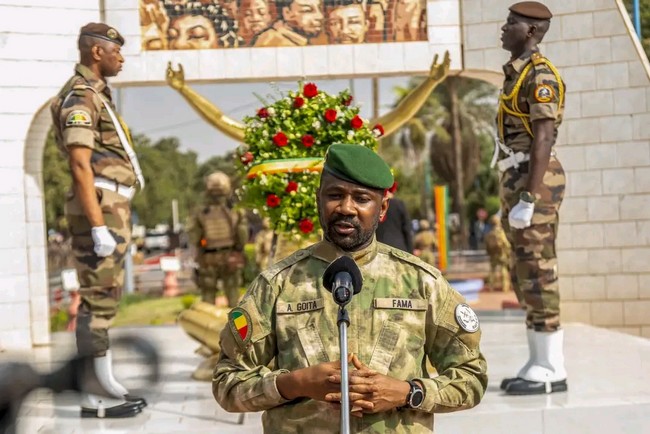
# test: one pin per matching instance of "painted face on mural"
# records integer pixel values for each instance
(191, 32)
(229, 8)
(304, 17)
(254, 16)
(347, 24)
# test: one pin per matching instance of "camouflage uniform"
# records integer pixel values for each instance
(80, 119)
(537, 96)
(425, 242)
(395, 325)
(217, 231)
(500, 253)
(263, 245)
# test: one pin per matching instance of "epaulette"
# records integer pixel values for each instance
(538, 59)
(414, 260)
(287, 262)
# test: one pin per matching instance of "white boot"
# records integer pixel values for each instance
(530, 335)
(103, 407)
(549, 362)
(547, 374)
(105, 365)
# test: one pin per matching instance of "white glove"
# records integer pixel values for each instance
(104, 242)
(521, 214)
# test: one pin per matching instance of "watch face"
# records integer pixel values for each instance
(416, 398)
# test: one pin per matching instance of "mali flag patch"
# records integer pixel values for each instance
(241, 326)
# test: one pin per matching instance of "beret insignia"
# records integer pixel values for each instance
(466, 318)
(111, 33)
(78, 118)
(544, 93)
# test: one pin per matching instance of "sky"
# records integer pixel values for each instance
(160, 111)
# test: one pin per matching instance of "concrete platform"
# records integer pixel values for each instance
(609, 389)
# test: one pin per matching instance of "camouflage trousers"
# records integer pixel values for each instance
(534, 263)
(214, 271)
(101, 279)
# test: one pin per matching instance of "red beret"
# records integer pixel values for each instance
(102, 31)
(531, 10)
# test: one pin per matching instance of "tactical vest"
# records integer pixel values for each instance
(508, 103)
(218, 227)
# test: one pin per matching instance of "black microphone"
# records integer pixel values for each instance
(343, 279)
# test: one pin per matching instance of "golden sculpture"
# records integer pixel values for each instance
(392, 121)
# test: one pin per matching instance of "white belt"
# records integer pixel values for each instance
(109, 184)
(512, 160)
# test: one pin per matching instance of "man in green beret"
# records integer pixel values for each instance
(280, 349)
(532, 185)
(105, 176)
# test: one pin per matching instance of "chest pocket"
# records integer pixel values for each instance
(303, 318)
(403, 325)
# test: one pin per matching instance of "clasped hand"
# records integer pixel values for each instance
(369, 391)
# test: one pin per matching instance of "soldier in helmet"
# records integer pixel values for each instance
(425, 243)
(219, 234)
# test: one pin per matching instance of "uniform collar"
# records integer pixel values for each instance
(514, 67)
(97, 83)
(328, 252)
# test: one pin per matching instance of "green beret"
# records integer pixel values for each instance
(358, 164)
(531, 10)
(102, 31)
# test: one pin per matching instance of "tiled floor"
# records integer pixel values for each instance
(609, 390)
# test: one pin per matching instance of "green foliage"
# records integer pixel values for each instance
(56, 183)
(170, 174)
(644, 8)
(188, 300)
(59, 320)
(300, 125)
(250, 269)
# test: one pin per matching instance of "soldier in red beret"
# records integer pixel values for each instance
(105, 175)
(532, 187)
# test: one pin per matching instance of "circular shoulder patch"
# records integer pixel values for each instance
(111, 33)
(544, 93)
(466, 318)
(241, 326)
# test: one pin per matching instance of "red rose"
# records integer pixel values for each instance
(263, 113)
(280, 139)
(246, 158)
(348, 101)
(305, 226)
(291, 186)
(272, 200)
(298, 102)
(330, 115)
(378, 130)
(310, 90)
(356, 122)
(308, 140)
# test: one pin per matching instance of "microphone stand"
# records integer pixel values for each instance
(343, 321)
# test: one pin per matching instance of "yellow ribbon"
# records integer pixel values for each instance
(290, 165)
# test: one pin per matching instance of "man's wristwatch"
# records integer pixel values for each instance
(415, 397)
(527, 196)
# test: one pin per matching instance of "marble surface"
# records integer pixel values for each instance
(609, 389)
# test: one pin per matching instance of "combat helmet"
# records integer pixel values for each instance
(218, 182)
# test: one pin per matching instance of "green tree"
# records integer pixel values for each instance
(451, 128)
(56, 183)
(170, 174)
(644, 7)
